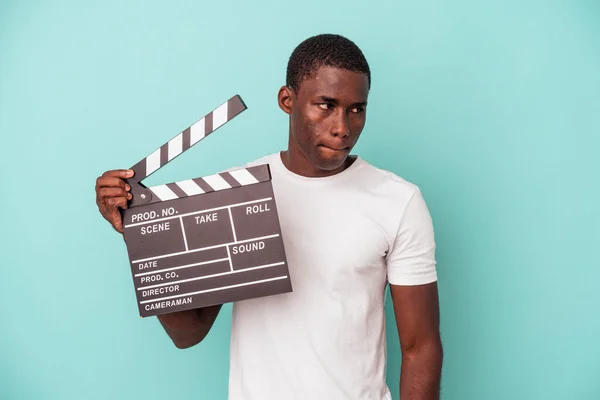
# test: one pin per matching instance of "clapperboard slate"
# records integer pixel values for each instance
(203, 241)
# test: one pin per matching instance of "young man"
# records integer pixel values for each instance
(349, 230)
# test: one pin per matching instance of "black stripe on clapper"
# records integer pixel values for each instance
(208, 124)
(164, 154)
(177, 190)
(139, 170)
(203, 185)
(229, 179)
(260, 172)
(185, 140)
(234, 107)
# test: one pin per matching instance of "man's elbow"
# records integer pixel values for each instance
(186, 342)
(430, 349)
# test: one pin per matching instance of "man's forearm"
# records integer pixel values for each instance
(421, 372)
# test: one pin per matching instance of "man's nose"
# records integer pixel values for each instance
(340, 127)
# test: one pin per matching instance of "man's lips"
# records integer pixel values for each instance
(334, 148)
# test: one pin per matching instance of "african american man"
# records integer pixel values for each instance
(350, 229)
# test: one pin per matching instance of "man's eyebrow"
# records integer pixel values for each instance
(331, 100)
(327, 99)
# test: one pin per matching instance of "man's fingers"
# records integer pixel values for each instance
(109, 181)
(119, 173)
(117, 202)
(112, 193)
(106, 192)
(117, 221)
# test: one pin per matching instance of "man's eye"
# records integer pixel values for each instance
(325, 106)
(357, 110)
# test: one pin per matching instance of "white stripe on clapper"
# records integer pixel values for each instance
(229, 258)
(175, 146)
(216, 289)
(216, 182)
(243, 177)
(220, 116)
(183, 231)
(232, 228)
(204, 276)
(153, 162)
(197, 132)
(190, 187)
(244, 203)
(163, 192)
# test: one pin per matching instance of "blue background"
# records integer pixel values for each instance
(492, 108)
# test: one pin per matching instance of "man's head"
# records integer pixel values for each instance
(327, 85)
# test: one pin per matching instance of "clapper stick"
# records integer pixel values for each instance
(176, 146)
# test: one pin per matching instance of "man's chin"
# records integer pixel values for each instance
(328, 159)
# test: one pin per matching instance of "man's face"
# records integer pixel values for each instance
(327, 116)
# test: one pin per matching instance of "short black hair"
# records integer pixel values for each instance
(324, 50)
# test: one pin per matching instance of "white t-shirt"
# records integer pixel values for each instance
(345, 236)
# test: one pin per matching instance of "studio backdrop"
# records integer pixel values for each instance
(492, 108)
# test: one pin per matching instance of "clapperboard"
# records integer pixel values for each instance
(203, 241)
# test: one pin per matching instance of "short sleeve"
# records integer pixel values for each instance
(411, 260)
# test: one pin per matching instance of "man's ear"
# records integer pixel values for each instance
(285, 98)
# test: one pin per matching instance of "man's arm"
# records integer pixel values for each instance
(417, 319)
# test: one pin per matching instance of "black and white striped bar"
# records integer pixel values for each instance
(214, 247)
(211, 183)
(189, 137)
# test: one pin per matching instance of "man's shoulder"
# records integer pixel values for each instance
(265, 159)
(383, 179)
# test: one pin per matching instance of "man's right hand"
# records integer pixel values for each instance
(185, 328)
(112, 193)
